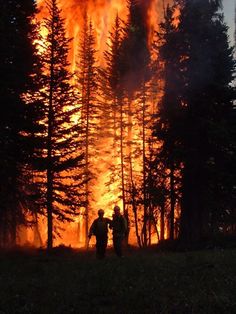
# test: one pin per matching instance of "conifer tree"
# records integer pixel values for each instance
(59, 155)
(168, 111)
(127, 59)
(87, 78)
(195, 111)
(17, 57)
(114, 94)
(134, 65)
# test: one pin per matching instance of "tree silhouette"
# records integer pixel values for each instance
(87, 78)
(60, 157)
(195, 110)
(17, 57)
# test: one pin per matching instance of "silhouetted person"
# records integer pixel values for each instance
(99, 229)
(119, 229)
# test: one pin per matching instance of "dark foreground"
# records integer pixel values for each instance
(141, 282)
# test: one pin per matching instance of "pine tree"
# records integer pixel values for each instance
(114, 95)
(87, 78)
(60, 156)
(170, 109)
(113, 92)
(209, 109)
(135, 74)
(17, 57)
(195, 110)
(127, 59)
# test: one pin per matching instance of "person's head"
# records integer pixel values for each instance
(117, 210)
(100, 213)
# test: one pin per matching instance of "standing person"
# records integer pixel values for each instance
(99, 229)
(119, 229)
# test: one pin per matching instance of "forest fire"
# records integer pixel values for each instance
(113, 103)
(106, 187)
(101, 13)
(117, 139)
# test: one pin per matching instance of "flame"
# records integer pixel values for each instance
(102, 14)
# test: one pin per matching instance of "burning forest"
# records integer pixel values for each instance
(117, 103)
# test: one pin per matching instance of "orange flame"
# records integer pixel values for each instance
(102, 14)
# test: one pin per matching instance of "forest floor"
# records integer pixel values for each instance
(69, 281)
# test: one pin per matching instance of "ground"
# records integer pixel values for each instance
(142, 282)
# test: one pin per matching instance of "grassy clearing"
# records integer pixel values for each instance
(142, 282)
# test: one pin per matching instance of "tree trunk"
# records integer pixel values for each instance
(13, 226)
(162, 222)
(49, 156)
(49, 209)
(87, 174)
(172, 203)
(193, 217)
(136, 224)
(145, 211)
(122, 154)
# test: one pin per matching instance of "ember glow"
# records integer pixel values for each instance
(102, 14)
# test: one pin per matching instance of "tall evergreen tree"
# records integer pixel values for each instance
(16, 64)
(169, 118)
(60, 156)
(87, 78)
(113, 93)
(135, 59)
(196, 110)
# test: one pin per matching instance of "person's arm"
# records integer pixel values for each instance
(92, 230)
(109, 222)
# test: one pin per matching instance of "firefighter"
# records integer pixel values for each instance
(99, 229)
(119, 227)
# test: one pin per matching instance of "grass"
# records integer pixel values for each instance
(141, 282)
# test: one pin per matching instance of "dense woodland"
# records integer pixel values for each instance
(176, 95)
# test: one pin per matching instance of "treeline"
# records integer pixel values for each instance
(165, 112)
